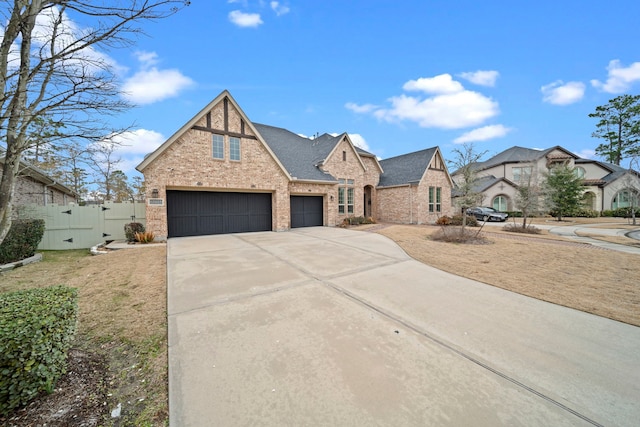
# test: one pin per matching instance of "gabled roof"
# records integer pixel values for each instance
(615, 171)
(518, 155)
(224, 94)
(407, 168)
(300, 156)
(482, 184)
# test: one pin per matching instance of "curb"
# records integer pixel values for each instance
(12, 265)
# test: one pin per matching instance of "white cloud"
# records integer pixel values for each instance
(140, 141)
(245, 20)
(150, 84)
(449, 106)
(132, 146)
(278, 8)
(450, 111)
(619, 79)
(481, 77)
(561, 93)
(365, 108)
(483, 134)
(146, 59)
(586, 153)
(359, 141)
(436, 85)
(67, 36)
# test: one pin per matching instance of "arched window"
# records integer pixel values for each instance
(624, 199)
(500, 203)
(579, 172)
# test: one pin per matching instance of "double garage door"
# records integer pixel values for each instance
(194, 213)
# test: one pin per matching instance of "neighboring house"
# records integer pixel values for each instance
(415, 188)
(606, 186)
(222, 173)
(34, 187)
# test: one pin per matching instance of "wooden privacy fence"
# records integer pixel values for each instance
(78, 227)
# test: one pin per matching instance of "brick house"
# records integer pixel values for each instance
(606, 186)
(222, 173)
(34, 187)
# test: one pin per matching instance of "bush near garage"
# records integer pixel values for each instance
(131, 229)
(36, 330)
(22, 240)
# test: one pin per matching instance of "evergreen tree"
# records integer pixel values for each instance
(563, 190)
(619, 126)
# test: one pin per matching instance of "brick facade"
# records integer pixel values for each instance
(185, 162)
(30, 191)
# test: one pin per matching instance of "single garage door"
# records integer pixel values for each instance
(306, 211)
(194, 213)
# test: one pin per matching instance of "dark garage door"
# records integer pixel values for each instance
(306, 211)
(194, 213)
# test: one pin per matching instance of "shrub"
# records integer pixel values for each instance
(623, 212)
(357, 220)
(22, 240)
(455, 235)
(585, 213)
(607, 213)
(471, 220)
(443, 220)
(145, 237)
(131, 229)
(36, 329)
(514, 228)
(517, 214)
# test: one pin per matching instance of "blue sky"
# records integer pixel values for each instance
(399, 76)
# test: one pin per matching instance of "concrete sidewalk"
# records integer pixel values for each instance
(324, 326)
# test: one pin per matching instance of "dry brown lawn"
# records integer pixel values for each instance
(580, 276)
(122, 319)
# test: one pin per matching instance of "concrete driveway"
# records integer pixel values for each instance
(325, 326)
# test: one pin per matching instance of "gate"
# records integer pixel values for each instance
(79, 227)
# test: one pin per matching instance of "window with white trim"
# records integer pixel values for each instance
(234, 148)
(521, 174)
(346, 196)
(218, 146)
(500, 203)
(435, 199)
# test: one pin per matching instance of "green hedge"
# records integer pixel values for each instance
(621, 213)
(22, 240)
(36, 330)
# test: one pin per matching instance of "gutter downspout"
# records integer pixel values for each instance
(44, 192)
(410, 205)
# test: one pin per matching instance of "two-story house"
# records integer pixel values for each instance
(606, 186)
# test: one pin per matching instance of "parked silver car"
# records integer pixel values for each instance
(487, 214)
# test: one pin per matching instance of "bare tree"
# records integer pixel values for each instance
(528, 196)
(104, 162)
(466, 192)
(51, 70)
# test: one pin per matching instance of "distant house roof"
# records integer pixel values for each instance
(37, 174)
(300, 156)
(407, 168)
(615, 171)
(482, 184)
(521, 155)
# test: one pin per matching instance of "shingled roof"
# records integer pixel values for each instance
(517, 155)
(406, 169)
(299, 155)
